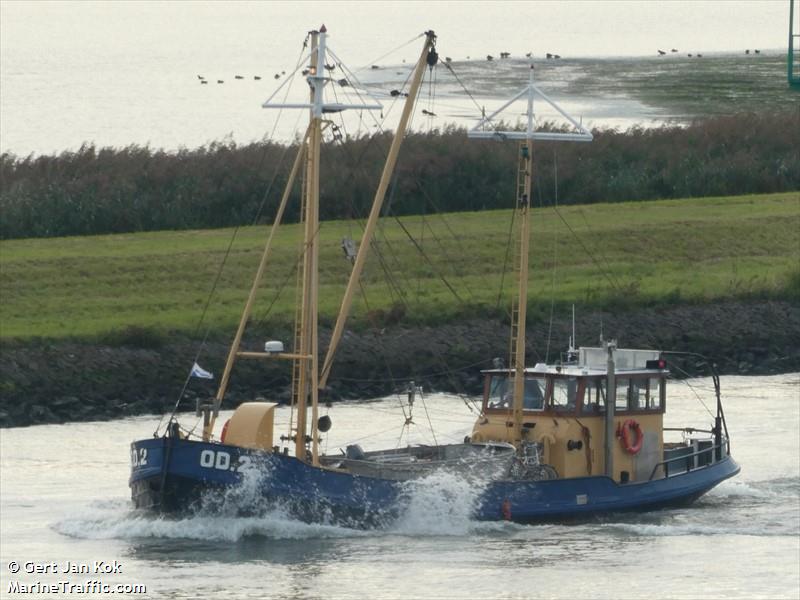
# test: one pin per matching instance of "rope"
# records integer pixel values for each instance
(555, 258)
(380, 58)
(509, 237)
(449, 67)
(428, 260)
(691, 387)
(425, 406)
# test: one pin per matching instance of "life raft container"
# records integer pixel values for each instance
(625, 432)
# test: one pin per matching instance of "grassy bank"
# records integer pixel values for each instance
(607, 255)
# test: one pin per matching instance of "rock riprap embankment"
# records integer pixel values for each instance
(58, 381)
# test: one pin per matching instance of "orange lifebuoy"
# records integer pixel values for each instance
(224, 431)
(624, 433)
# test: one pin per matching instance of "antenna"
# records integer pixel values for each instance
(573, 340)
(572, 352)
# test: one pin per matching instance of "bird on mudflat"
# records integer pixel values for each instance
(661, 53)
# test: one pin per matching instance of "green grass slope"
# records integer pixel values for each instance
(605, 255)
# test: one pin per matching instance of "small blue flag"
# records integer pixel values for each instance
(198, 371)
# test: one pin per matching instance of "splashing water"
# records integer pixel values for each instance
(245, 499)
(443, 503)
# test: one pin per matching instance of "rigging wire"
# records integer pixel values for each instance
(605, 273)
(509, 241)
(427, 414)
(381, 349)
(691, 387)
(380, 58)
(555, 259)
(428, 260)
(449, 67)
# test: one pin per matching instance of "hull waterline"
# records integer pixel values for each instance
(181, 476)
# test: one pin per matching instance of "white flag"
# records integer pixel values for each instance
(198, 371)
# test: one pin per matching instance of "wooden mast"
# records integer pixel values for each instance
(306, 351)
(308, 315)
(377, 205)
(523, 208)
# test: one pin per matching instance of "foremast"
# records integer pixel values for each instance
(523, 217)
(306, 353)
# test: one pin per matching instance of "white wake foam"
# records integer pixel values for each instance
(440, 504)
(121, 522)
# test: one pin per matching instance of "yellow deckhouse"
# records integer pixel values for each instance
(565, 420)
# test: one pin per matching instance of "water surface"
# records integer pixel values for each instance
(64, 496)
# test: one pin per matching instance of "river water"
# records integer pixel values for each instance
(64, 497)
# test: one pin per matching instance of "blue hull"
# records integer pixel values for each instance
(174, 475)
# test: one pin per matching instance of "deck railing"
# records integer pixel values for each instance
(715, 450)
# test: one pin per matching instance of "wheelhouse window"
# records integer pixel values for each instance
(634, 394)
(594, 398)
(637, 395)
(565, 394)
(501, 392)
(655, 385)
(623, 394)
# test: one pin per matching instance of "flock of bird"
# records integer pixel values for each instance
(675, 50)
(489, 57)
(204, 81)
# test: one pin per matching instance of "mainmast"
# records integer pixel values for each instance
(523, 205)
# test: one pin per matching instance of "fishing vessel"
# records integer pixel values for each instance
(580, 437)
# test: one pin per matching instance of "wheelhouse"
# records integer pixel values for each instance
(564, 413)
(565, 391)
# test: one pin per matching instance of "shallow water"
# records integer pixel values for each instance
(122, 73)
(64, 497)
